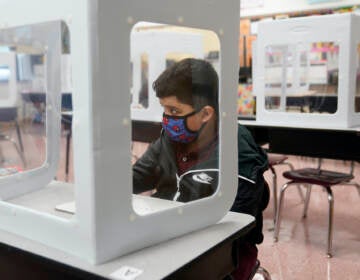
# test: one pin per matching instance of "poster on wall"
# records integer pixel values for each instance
(246, 4)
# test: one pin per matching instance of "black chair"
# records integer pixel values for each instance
(315, 176)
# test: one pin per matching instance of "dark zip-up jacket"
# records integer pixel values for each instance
(156, 169)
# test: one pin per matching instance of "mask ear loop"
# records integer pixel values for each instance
(194, 131)
(182, 117)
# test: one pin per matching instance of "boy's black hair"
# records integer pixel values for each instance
(192, 81)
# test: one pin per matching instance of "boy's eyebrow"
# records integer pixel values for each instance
(170, 107)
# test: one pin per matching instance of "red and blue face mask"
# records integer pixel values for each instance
(176, 128)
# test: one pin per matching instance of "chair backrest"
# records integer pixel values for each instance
(351, 170)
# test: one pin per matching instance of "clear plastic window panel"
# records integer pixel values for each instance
(302, 77)
(186, 169)
(25, 101)
(279, 61)
(22, 100)
(140, 83)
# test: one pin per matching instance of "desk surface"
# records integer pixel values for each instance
(156, 262)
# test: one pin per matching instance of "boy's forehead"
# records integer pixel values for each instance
(173, 101)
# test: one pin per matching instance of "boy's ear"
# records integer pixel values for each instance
(207, 112)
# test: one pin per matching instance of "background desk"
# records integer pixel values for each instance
(203, 254)
(314, 142)
(312, 101)
(40, 98)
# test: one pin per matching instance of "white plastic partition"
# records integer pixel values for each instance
(105, 225)
(305, 31)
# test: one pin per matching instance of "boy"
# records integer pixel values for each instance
(182, 164)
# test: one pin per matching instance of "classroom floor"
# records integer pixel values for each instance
(300, 252)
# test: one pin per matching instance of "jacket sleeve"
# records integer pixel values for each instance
(248, 197)
(146, 171)
(252, 199)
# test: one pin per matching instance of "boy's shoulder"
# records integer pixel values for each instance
(251, 157)
(245, 139)
(242, 130)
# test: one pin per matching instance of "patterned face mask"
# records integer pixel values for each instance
(176, 128)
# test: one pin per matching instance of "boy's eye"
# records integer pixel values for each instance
(174, 111)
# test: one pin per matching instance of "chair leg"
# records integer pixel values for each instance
(307, 200)
(20, 143)
(298, 187)
(278, 212)
(7, 138)
(274, 177)
(300, 193)
(356, 185)
(288, 164)
(19, 136)
(68, 137)
(330, 221)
